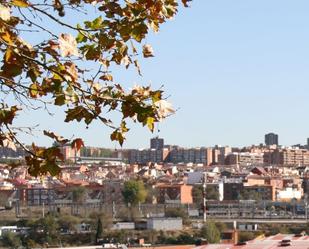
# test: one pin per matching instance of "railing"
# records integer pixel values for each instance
(215, 209)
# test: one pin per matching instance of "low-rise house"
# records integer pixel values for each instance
(165, 224)
(287, 194)
(259, 192)
(174, 193)
(217, 187)
(112, 192)
(124, 225)
(232, 189)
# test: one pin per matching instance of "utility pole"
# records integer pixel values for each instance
(114, 210)
(306, 207)
(204, 195)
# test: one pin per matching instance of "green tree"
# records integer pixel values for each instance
(247, 194)
(54, 72)
(11, 240)
(134, 192)
(212, 193)
(106, 219)
(99, 231)
(45, 230)
(178, 212)
(221, 226)
(246, 236)
(68, 222)
(198, 194)
(210, 232)
(151, 193)
(79, 194)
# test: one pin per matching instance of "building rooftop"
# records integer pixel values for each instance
(266, 243)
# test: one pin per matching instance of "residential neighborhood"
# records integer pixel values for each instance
(171, 196)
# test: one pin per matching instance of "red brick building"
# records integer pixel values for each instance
(174, 193)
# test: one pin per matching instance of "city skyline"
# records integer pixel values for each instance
(168, 143)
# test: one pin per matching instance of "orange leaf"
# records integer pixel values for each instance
(77, 143)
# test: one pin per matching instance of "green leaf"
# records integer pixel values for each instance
(81, 37)
(96, 23)
(52, 167)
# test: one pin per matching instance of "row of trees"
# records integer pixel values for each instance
(58, 229)
(61, 230)
(53, 231)
(135, 191)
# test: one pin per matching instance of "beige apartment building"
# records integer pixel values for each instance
(244, 158)
(287, 157)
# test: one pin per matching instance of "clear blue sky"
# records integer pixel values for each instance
(235, 69)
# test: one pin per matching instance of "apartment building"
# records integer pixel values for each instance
(35, 196)
(148, 155)
(6, 152)
(271, 139)
(291, 157)
(244, 158)
(191, 155)
(157, 143)
(69, 153)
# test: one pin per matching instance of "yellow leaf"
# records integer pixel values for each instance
(33, 90)
(20, 3)
(8, 54)
(7, 37)
(150, 123)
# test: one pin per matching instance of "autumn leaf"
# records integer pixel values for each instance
(150, 123)
(125, 61)
(107, 77)
(164, 108)
(58, 138)
(71, 73)
(8, 143)
(147, 51)
(68, 45)
(5, 13)
(77, 144)
(33, 90)
(136, 64)
(185, 2)
(20, 3)
(117, 136)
